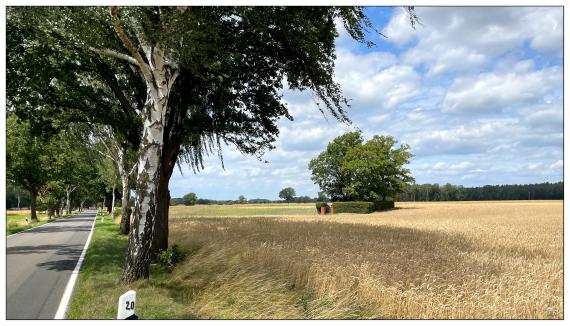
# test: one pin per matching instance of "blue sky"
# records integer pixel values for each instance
(476, 92)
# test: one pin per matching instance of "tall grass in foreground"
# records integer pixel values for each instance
(482, 260)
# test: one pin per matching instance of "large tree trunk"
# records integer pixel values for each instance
(113, 203)
(61, 205)
(34, 217)
(69, 189)
(160, 239)
(138, 257)
(109, 206)
(169, 155)
(125, 205)
(68, 201)
(50, 212)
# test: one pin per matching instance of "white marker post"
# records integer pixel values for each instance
(127, 305)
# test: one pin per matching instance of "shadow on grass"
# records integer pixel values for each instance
(107, 252)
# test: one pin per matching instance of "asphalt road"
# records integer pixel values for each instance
(39, 263)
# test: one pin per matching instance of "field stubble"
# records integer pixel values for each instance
(460, 260)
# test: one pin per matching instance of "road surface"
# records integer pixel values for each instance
(39, 263)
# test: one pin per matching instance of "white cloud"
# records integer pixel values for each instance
(491, 92)
(465, 38)
(546, 117)
(378, 119)
(557, 165)
(442, 58)
(503, 63)
(225, 173)
(399, 29)
(375, 78)
(440, 165)
(534, 166)
(461, 166)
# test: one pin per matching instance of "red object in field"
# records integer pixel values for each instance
(322, 211)
(332, 209)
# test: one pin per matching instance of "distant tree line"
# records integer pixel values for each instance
(205, 201)
(287, 194)
(449, 192)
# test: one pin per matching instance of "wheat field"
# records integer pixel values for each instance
(448, 260)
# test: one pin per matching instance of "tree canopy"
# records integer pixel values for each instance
(173, 82)
(351, 170)
(28, 163)
(326, 167)
(287, 194)
(189, 199)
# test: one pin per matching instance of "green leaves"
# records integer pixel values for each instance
(233, 62)
(372, 171)
(189, 199)
(287, 194)
(28, 161)
(325, 168)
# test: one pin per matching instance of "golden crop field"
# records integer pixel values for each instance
(458, 260)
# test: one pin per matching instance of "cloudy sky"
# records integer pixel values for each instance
(476, 92)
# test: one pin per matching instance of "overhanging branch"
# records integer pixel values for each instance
(115, 54)
(128, 44)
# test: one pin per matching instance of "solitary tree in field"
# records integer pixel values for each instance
(186, 79)
(349, 169)
(287, 194)
(375, 170)
(242, 199)
(325, 168)
(189, 199)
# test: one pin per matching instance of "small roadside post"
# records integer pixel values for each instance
(127, 304)
(332, 209)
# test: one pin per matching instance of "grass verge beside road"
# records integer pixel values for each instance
(16, 221)
(97, 291)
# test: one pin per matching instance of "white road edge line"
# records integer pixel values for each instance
(64, 303)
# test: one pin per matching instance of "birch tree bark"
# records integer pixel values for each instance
(160, 74)
(68, 190)
(149, 161)
(113, 203)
